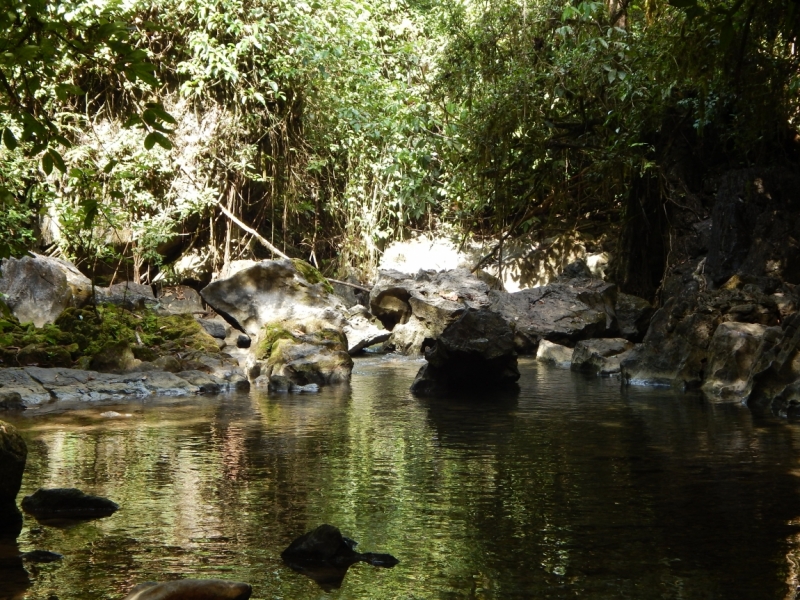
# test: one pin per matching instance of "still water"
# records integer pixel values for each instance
(572, 488)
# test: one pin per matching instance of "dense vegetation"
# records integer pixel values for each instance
(132, 131)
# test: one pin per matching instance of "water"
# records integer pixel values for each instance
(571, 489)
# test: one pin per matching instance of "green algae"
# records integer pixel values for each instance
(311, 275)
(81, 335)
(269, 337)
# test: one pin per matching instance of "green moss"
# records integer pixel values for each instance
(268, 338)
(79, 335)
(311, 275)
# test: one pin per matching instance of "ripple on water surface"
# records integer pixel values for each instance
(570, 488)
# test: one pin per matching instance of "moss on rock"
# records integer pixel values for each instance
(269, 336)
(311, 275)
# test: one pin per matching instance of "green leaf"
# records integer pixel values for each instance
(9, 140)
(57, 160)
(47, 164)
(154, 138)
(90, 206)
(110, 166)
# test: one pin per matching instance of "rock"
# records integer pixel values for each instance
(577, 269)
(18, 381)
(13, 454)
(129, 295)
(79, 284)
(243, 341)
(733, 352)
(36, 290)
(216, 328)
(754, 225)
(350, 296)
(326, 545)
(361, 332)
(41, 556)
(563, 312)
(418, 308)
(600, 356)
(475, 351)
(180, 300)
(633, 316)
(11, 401)
(555, 354)
(273, 291)
(67, 503)
(207, 384)
(191, 589)
(292, 357)
(676, 350)
(10, 523)
(115, 357)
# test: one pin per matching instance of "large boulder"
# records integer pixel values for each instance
(127, 294)
(36, 289)
(677, 348)
(562, 312)
(191, 589)
(288, 357)
(473, 352)
(733, 352)
(274, 291)
(180, 299)
(416, 309)
(600, 356)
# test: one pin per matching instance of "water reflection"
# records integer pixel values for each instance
(569, 488)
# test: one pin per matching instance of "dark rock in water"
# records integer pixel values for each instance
(10, 520)
(191, 589)
(243, 341)
(63, 504)
(476, 351)
(215, 328)
(11, 401)
(13, 454)
(324, 555)
(601, 357)
(14, 579)
(41, 556)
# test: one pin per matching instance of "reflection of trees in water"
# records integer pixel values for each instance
(564, 488)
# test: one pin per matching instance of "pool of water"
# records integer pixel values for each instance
(572, 488)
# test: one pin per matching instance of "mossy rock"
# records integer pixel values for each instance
(114, 356)
(144, 353)
(311, 275)
(44, 355)
(267, 339)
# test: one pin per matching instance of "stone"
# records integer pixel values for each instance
(41, 556)
(129, 295)
(79, 284)
(180, 300)
(13, 454)
(17, 381)
(67, 503)
(288, 358)
(474, 352)
(191, 589)
(36, 290)
(243, 341)
(599, 356)
(562, 312)
(633, 316)
(272, 291)
(677, 348)
(326, 545)
(360, 330)
(417, 309)
(114, 357)
(733, 352)
(555, 354)
(216, 328)
(11, 401)
(206, 384)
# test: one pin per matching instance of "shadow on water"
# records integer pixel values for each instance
(15, 579)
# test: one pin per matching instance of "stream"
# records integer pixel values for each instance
(572, 488)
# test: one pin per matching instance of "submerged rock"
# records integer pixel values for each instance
(191, 589)
(476, 351)
(324, 555)
(67, 503)
(41, 556)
